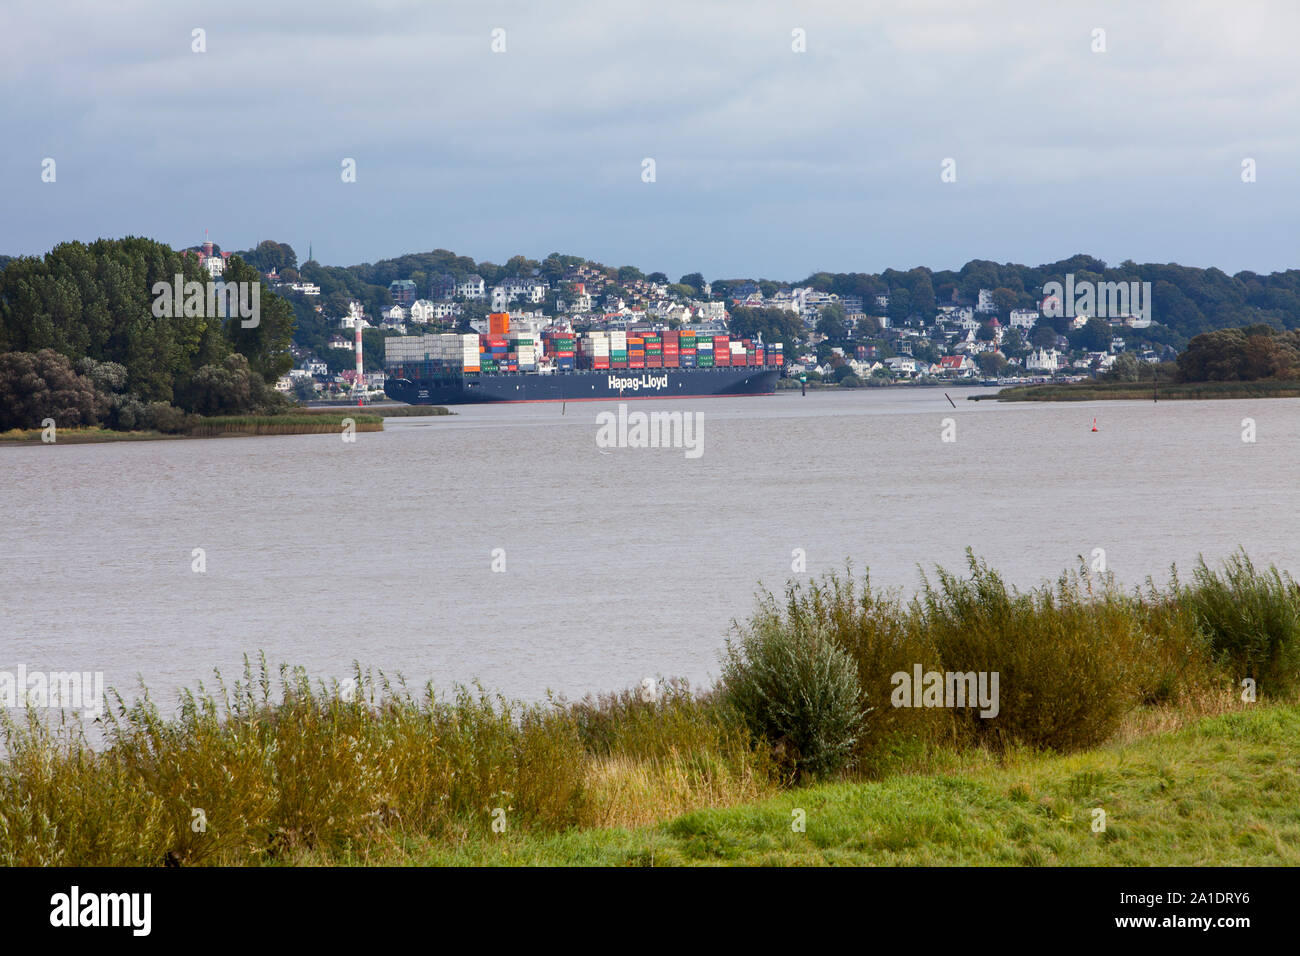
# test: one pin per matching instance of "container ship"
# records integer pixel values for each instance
(552, 365)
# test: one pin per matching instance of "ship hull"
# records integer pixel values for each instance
(585, 385)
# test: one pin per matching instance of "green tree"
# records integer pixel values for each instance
(695, 280)
(264, 343)
(1043, 336)
(35, 386)
(991, 363)
(774, 325)
(831, 322)
(1125, 368)
(1095, 335)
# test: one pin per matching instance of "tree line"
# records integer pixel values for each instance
(84, 339)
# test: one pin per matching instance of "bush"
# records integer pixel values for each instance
(165, 418)
(1065, 656)
(872, 628)
(793, 687)
(39, 385)
(1252, 620)
(232, 388)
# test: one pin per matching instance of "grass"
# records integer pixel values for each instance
(1142, 391)
(328, 422)
(383, 411)
(1224, 792)
(1128, 702)
(289, 424)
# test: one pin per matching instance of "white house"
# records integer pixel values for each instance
(530, 290)
(1043, 360)
(985, 303)
(422, 311)
(471, 287)
(902, 366)
(713, 311)
(959, 366)
(1023, 318)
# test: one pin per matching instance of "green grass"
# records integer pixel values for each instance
(1224, 792)
(383, 411)
(215, 426)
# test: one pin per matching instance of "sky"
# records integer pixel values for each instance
(768, 160)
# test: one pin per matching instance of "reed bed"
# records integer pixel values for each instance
(294, 424)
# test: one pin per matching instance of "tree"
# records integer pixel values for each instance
(265, 343)
(985, 332)
(271, 255)
(231, 388)
(866, 326)
(1043, 336)
(1095, 335)
(774, 325)
(1125, 368)
(1005, 299)
(900, 305)
(831, 322)
(695, 280)
(991, 363)
(1247, 354)
(35, 386)
(1013, 342)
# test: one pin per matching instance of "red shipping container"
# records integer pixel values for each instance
(670, 361)
(722, 358)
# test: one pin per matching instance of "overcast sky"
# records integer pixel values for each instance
(768, 162)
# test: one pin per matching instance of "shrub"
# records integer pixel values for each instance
(39, 385)
(163, 417)
(1064, 655)
(793, 687)
(872, 628)
(1252, 620)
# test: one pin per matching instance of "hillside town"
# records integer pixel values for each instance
(829, 338)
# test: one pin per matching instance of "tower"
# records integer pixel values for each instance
(358, 385)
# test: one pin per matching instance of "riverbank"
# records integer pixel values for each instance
(304, 421)
(366, 770)
(1218, 793)
(1143, 391)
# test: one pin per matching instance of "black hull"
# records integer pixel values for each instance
(587, 385)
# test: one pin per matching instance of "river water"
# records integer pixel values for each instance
(619, 563)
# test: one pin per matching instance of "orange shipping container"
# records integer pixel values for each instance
(498, 323)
